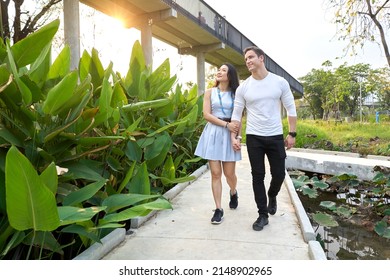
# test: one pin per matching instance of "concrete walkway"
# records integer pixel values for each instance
(185, 233)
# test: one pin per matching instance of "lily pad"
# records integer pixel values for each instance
(325, 220)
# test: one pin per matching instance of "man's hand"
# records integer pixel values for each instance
(289, 142)
(234, 126)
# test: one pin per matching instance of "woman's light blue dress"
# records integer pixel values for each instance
(214, 142)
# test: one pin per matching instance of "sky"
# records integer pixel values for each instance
(298, 35)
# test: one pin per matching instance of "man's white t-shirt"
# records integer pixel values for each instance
(263, 100)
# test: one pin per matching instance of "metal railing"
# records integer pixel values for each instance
(206, 17)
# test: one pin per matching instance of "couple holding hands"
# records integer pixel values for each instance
(262, 94)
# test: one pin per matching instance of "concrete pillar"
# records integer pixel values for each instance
(200, 65)
(146, 42)
(72, 30)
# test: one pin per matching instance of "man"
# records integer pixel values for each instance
(262, 95)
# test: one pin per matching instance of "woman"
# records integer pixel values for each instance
(215, 143)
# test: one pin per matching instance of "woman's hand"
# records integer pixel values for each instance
(236, 144)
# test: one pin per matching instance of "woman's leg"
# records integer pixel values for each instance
(216, 183)
(229, 170)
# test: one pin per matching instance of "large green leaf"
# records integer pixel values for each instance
(134, 107)
(78, 100)
(61, 65)
(325, 220)
(140, 183)
(24, 90)
(106, 92)
(312, 193)
(119, 98)
(85, 62)
(9, 137)
(26, 51)
(59, 95)
(128, 176)
(154, 162)
(83, 193)
(382, 229)
(16, 238)
(81, 230)
(192, 97)
(160, 146)
(71, 215)
(169, 170)
(30, 204)
(96, 69)
(343, 211)
(300, 181)
(84, 170)
(136, 78)
(49, 178)
(117, 201)
(320, 184)
(331, 205)
(133, 151)
(137, 211)
(45, 240)
(40, 67)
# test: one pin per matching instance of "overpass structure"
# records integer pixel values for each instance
(193, 27)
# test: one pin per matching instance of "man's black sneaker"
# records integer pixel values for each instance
(218, 216)
(272, 205)
(233, 200)
(260, 223)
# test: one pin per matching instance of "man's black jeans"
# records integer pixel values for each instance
(273, 147)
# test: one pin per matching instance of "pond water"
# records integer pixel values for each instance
(346, 241)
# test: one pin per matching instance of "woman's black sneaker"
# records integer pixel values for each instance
(233, 200)
(218, 216)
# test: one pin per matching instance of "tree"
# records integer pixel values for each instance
(338, 92)
(19, 19)
(381, 77)
(318, 85)
(352, 87)
(360, 21)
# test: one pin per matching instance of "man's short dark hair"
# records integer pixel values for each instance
(257, 50)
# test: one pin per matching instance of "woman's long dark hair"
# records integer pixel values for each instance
(232, 75)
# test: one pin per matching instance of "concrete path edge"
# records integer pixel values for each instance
(315, 250)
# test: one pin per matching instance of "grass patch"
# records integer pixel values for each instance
(355, 137)
(362, 138)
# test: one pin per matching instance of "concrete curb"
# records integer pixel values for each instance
(315, 250)
(335, 163)
(306, 227)
(113, 239)
(98, 250)
(337, 153)
(325, 152)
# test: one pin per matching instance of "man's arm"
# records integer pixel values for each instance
(292, 124)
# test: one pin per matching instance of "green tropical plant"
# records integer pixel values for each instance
(84, 151)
